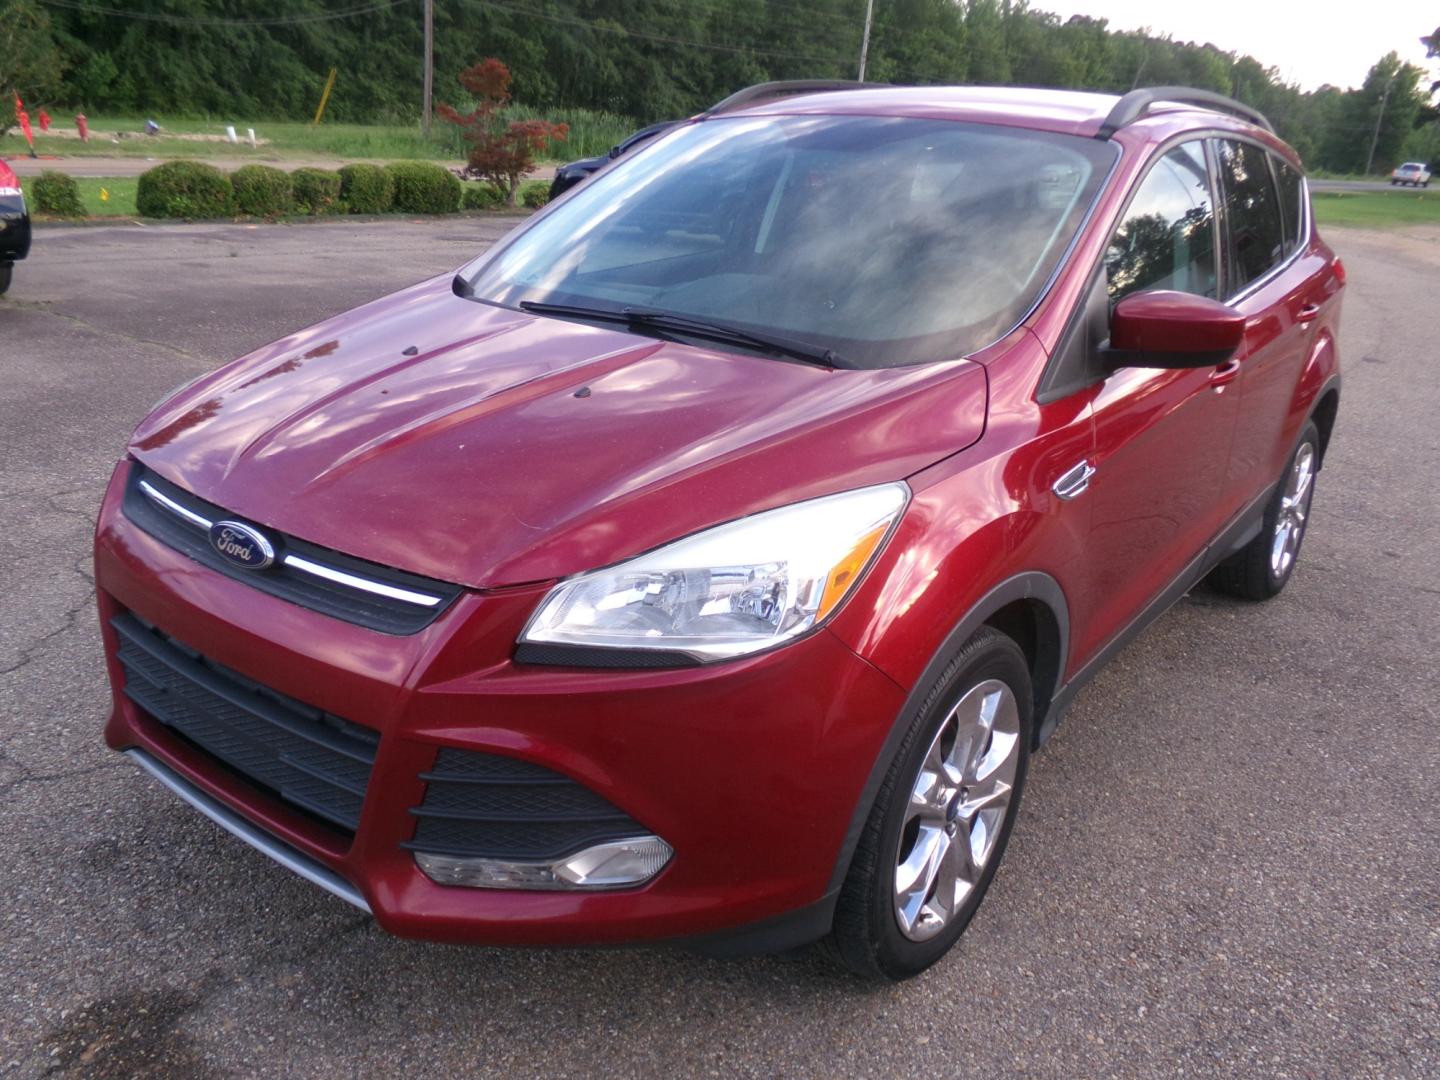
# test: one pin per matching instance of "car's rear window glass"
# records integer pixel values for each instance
(1292, 203)
(889, 240)
(1167, 237)
(1252, 210)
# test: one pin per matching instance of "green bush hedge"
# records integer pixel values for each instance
(534, 194)
(316, 191)
(483, 196)
(366, 189)
(262, 191)
(184, 189)
(55, 193)
(422, 187)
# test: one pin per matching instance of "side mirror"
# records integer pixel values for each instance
(1166, 329)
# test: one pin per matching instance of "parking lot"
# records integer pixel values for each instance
(1226, 863)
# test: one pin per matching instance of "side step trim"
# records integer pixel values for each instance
(257, 838)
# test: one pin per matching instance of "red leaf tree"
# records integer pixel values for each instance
(499, 152)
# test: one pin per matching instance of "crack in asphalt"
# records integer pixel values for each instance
(45, 308)
(29, 653)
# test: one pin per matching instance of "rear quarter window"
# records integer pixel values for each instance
(1292, 203)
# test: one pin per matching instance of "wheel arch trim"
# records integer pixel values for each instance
(1033, 586)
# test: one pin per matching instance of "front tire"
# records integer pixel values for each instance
(942, 817)
(6, 270)
(1261, 568)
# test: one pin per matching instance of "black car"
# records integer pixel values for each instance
(14, 225)
(567, 176)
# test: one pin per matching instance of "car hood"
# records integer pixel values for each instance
(487, 447)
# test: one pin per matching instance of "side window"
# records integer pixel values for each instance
(1257, 238)
(1292, 203)
(1167, 240)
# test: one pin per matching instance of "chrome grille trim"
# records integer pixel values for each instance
(194, 521)
(305, 566)
(167, 503)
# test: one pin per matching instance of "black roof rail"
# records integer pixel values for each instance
(1137, 103)
(773, 91)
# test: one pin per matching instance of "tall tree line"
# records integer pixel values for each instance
(650, 59)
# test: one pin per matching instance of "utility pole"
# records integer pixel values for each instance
(1375, 138)
(865, 41)
(429, 65)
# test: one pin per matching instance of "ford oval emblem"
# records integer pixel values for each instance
(242, 545)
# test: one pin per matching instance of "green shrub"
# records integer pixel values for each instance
(184, 189)
(483, 197)
(422, 187)
(316, 191)
(535, 194)
(57, 194)
(366, 189)
(262, 191)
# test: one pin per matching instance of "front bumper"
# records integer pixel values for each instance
(750, 770)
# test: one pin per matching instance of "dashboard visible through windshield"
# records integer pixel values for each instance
(888, 240)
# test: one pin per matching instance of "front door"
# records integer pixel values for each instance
(1162, 438)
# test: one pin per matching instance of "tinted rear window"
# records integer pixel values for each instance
(1257, 237)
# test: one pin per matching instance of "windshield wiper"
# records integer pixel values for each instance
(693, 327)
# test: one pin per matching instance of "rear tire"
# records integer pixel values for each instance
(1261, 568)
(942, 817)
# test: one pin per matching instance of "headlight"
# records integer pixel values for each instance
(731, 590)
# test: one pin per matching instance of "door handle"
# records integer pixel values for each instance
(1307, 313)
(1225, 373)
(1074, 482)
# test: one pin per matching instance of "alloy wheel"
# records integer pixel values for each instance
(957, 807)
(1294, 511)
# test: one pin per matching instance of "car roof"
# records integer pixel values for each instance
(1071, 112)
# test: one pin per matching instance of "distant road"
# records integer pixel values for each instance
(1356, 185)
(134, 166)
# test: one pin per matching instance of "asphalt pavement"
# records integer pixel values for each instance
(1226, 864)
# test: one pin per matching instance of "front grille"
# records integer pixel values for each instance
(365, 593)
(312, 760)
(488, 806)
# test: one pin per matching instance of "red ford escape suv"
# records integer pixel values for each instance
(704, 561)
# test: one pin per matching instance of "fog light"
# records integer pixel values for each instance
(612, 865)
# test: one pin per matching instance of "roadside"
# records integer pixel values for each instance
(106, 167)
(295, 141)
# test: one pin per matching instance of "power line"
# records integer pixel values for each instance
(205, 20)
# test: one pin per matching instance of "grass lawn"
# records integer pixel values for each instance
(121, 192)
(1377, 209)
(591, 133)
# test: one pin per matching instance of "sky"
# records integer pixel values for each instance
(1312, 43)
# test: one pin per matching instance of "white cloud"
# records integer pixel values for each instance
(1311, 44)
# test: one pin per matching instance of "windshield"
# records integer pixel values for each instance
(888, 240)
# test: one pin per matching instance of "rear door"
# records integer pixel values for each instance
(1278, 284)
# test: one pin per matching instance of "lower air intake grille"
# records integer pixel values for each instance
(310, 759)
(497, 807)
